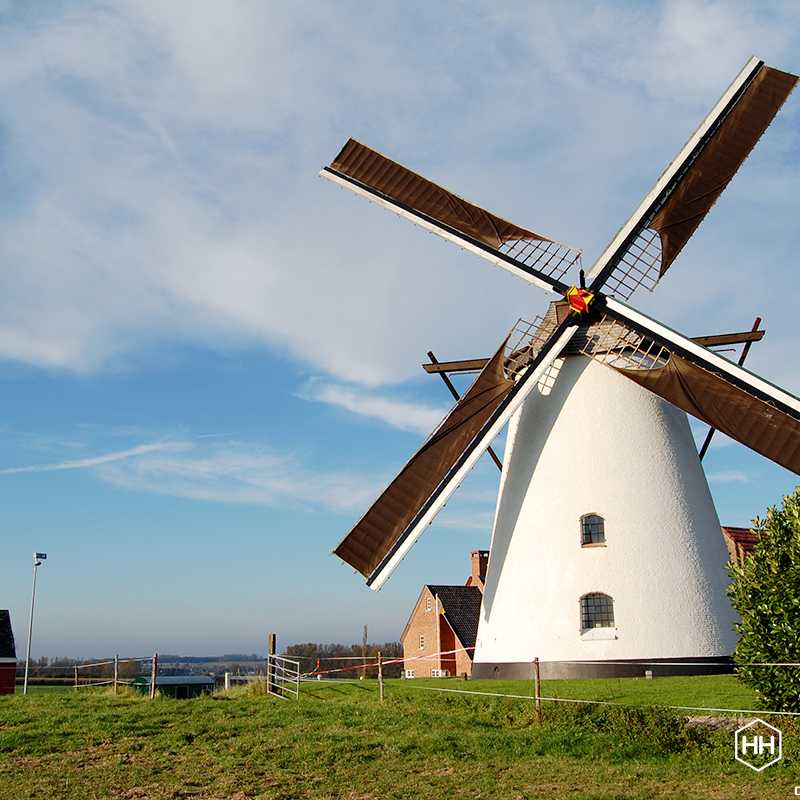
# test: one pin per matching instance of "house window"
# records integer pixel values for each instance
(597, 611)
(440, 673)
(409, 673)
(593, 530)
(428, 604)
(421, 642)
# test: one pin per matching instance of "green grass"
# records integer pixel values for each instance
(36, 689)
(337, 741)
(717, 691)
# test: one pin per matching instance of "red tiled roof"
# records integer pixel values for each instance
(740, 541)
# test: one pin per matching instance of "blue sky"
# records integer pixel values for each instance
(209, 358)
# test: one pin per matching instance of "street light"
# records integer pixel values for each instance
(37, 562)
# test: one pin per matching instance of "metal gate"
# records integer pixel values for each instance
(283, 677)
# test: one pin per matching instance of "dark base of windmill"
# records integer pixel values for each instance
(629, 668)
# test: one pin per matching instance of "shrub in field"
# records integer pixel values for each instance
(632, 732)
(765, 590)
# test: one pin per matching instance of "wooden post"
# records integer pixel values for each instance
(380, 676)
(227, 683)
(116, 672)
(272, 643)
(76, 679)
(364, 655)
(153, 676)
(537, 682)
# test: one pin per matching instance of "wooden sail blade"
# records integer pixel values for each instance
(646, 246)
(527, 254)
(709, 397)
(722, 394)
(381, 539)
(379, 529)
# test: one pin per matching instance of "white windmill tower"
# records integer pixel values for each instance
(629, 568)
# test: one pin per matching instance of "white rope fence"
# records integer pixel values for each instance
(606, 702)
(383, 663)
(316, 677)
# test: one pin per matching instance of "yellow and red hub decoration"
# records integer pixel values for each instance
(579, 299)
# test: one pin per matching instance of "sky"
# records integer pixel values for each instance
(210, 358)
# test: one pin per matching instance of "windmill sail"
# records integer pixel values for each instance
(712, 399)
(380, 540)
(529, 255)
(724, 395)
(409, 189)
(645, 247)
(719, 160)
(378, 530)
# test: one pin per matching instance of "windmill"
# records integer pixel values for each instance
(627, 564)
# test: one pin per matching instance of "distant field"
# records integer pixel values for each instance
(337, 741)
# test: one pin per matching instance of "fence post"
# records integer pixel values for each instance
(116, 671)
(380, 676)
(272, 643)
(76, 679)
(537, 681)
(153, 676)
(227, 684)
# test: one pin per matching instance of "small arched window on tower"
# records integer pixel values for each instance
(597, 611)
(593, 530)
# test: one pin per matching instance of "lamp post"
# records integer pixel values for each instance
(37, 562)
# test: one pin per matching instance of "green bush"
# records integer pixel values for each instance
(765, 590)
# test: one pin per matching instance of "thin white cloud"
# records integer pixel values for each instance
(417, 417)
(216, 468)
(467, 520)
(729, 476)
(96, 461)
(232, 472)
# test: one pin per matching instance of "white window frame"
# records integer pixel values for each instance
(428, 604)
(422, 641)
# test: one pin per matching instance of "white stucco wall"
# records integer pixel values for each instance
(599, 443)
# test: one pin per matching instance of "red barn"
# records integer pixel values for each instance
(8, 655)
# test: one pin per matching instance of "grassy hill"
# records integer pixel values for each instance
(337, 741)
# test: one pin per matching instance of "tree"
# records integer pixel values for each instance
(765, 590)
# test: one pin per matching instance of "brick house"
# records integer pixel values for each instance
(444, 619)
(8, 655)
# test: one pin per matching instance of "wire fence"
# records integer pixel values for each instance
(538, 698)
(144, 670)
(124, 672)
